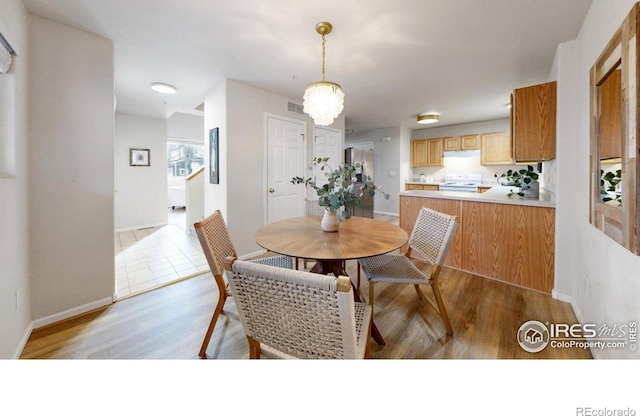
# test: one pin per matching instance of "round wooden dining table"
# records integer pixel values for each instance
(356, 238)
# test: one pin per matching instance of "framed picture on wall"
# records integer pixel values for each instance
(214, 157)
(139, 157)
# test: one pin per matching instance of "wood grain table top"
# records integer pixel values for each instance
(356, 238)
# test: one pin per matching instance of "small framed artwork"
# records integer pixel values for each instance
(214, 157)
(139, 157)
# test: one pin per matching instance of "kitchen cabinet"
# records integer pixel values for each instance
(508, 242)
(470, 142)
(495, 148)
(610, 122)
(421, 187)
(418, 153)
(434, 153)
(451, 143)
(426, 152)
(533, 123)
(466, 142)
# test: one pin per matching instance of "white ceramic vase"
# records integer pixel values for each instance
(329, 221)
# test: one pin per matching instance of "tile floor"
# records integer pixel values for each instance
(152, 257)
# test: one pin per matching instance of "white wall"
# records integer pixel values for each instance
(238, 110)
(14, 205)
(71, 141)
(189, 127)
(602, 277)
(386, 163)
(140, 198)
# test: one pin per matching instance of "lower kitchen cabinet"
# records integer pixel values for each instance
(507, 242)
(421, 187)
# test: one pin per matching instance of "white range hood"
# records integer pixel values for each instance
(461, 153)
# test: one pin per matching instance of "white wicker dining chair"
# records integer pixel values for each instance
(431, 237)
(216, 244)
(297, 314)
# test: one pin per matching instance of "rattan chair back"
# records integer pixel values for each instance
(299, 314)
(432, 235)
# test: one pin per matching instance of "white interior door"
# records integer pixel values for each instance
(327, 142)
(286, 159)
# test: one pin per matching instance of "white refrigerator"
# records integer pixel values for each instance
(353, 156)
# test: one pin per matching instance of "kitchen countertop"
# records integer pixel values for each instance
(496, 195)
(483, 185)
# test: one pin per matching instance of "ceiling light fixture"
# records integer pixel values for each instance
(163, 88)
(428, 118)
(323, 100)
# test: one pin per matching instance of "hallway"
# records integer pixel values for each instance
(153, 257)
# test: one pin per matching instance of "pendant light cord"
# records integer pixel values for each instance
(323, 43)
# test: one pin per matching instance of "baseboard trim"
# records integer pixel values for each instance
(561, 296)
(252, 255)
(23, 341)
(392, 214)
(70, 313)
(141, 227)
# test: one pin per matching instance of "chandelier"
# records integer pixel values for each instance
(323, 100)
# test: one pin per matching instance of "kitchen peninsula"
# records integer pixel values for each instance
(504, 238)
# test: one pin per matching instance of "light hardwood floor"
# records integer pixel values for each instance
(170, 322)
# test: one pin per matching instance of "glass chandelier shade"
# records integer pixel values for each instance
(323, 100)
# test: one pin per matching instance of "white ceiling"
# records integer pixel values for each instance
(394, 59)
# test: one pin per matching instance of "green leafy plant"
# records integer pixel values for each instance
(521, 178)
(609, 184)
(342, 188)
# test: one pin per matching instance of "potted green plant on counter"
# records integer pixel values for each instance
(341, 192)
(610, 187)
(525, 179)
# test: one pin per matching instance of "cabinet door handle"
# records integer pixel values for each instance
(271, 190)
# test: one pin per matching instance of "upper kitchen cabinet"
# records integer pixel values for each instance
(451, 143)
(533, 123)
(426, 152)
(610, 121)
(418, 153)
(470, 142)
(467, 142)
(495, 148)
(434, 155)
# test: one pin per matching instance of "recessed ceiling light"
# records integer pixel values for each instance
(428, 118)
(163, 88)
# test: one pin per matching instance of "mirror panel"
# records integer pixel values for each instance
(614, 181)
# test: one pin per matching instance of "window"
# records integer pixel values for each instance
(184, 158)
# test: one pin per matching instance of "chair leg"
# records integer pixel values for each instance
(419, 292)
(358, 279)
(254, 348)
(443, 311)
(216, 313)
(222, 298)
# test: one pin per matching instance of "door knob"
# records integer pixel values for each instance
(271, 190)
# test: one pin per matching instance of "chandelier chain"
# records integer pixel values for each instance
(323, 55)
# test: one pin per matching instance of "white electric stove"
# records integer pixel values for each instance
(461, 182)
